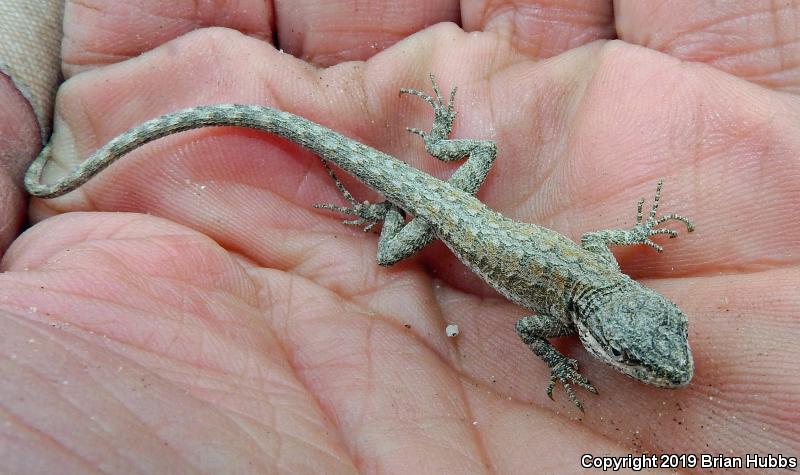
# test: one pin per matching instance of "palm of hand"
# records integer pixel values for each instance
(247, 331)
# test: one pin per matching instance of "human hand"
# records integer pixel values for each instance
(235, 328)
(19, 143)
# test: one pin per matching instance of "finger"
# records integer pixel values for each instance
(19, 142)
(541, 29)
(327, 33)
(30, 38)
(755, 40)
(99, 32)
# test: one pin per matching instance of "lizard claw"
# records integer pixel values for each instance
(566, 372)
(367, 214)
(354, 211)
(444, 113)
(643, 229)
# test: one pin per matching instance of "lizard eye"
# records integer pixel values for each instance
(616, 351)
(620, 354)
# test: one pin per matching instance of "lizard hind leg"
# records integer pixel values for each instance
(480, 153)
(366, 214)
(398, 239)
(443, 116)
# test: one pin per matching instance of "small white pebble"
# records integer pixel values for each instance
(451, 330)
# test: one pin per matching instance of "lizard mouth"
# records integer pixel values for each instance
(675, 377)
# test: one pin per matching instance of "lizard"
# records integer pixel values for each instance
(571, 288)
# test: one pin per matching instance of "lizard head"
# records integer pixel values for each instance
(640, 333)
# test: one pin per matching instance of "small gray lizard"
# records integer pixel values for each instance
(570, 288)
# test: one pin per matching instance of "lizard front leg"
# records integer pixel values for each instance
(598, 241)
(534, 331)
(400, 239)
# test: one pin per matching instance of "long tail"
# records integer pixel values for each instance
(349, 154)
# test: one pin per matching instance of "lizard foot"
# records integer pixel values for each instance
(443, 112)
(367, 214)
(641, 232)
(566, 372)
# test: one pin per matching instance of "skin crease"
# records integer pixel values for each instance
(233, 328)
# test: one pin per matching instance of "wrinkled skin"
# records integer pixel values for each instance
(198, 315)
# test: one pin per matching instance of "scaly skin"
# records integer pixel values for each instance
(571, 288)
